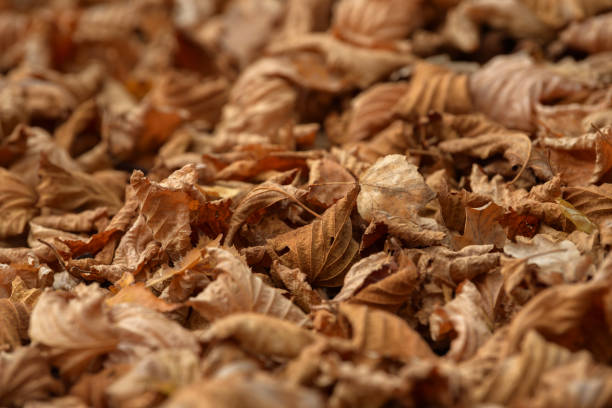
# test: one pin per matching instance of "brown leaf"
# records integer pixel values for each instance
(463, 24)
(482, 227)
(394, 186)
(540, 202)
(586, 158)
(138, 294)
(516, 147)
(372, 110)
(558, 314)
(164, 371)
(375, 24)
(259, 103)
(68, 191)
(596, 203)
(14, 320)
(201, 99)
(328, 182)
(17, 203)
(518, 377)
(94, 244)
(296, 283)
(465, 320)
(257, 200)
(591, 35)
(12, 146)
(237, 289)
(453, 267)
(141, 330)
(262, 334)
(352, 66)
(169, 207)
(384, 333)
(75, 326)
(136, 247)
(509, 88)
(86, 221)
(559, 14)
(25, 375)
(434, 88)
(387, 288)
(414, 232)
(323, 249)
(558, 261)
(257, 392)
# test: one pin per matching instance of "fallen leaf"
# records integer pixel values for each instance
(595, 202)
(25, 375)
(75, 326)
(375, 24)
(255, 392)
(260, 334)
(17, 204)
(384, 333)
(378, 281)
(164, 371)
(557, 261)
(323, 249)
(257, 200)
(464, 320)
(394, 186)
(296, 283)
(237, 289)
(138, 294)
(65, 190)
(482, 227)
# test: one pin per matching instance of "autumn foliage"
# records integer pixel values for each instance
(305, 203)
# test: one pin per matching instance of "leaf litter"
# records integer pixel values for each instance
(309, 203)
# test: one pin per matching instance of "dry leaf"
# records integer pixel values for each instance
(25, 375)
(372, 110)
(379, 282)
(75, 326)
(169, 207)
(64, 190)
(592, 35)
(14, 320)
(163, 371)
(323, 249)
(463, 319)
(394, 186)
(139, 295)
(595, 202)
(257, 200)
(261, 334)
(557, 314)
(141, 330)
(482, 227)
(17, 204)
(557, 261)
(509, 88)
(434, 88)
(296, 283)
(237, 289)
(375, 23)
(385, 334)
(237, 391)
(584, 158)
(328, 182)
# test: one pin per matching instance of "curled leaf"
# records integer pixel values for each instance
(237, 289)
(323, 249)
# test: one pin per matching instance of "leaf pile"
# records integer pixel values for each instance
(305, 203)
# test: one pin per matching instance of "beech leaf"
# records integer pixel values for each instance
(323, 249)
